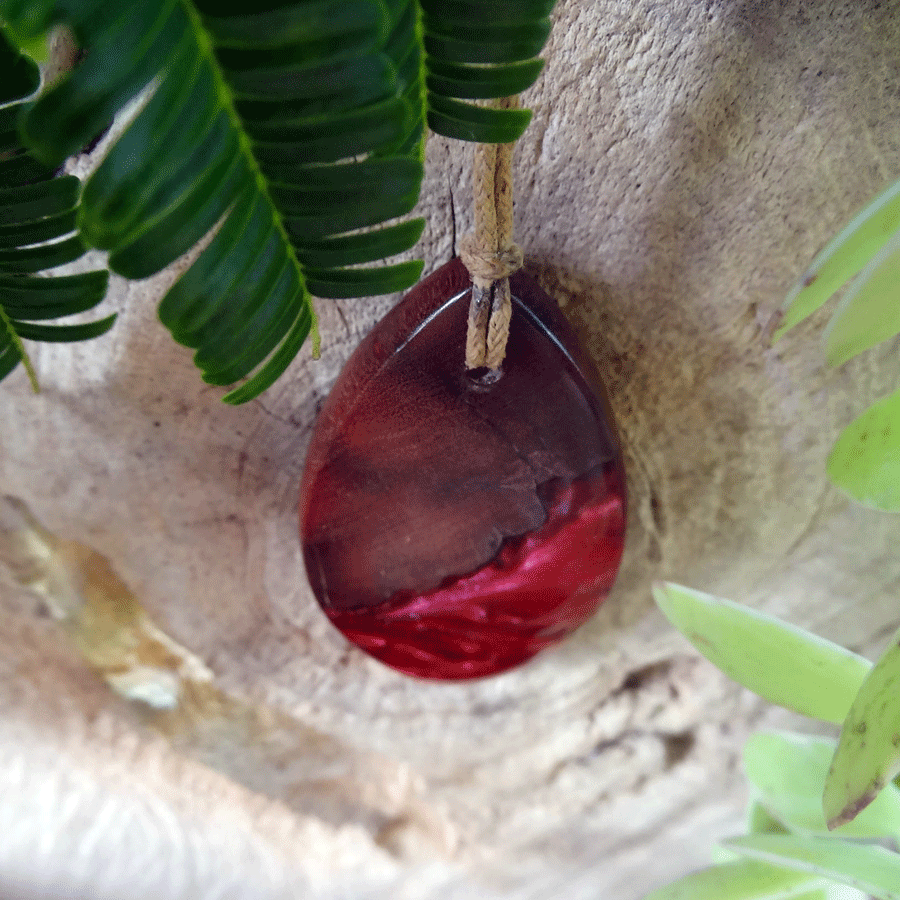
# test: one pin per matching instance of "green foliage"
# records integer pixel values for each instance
(868, 249)
(788, 774)
(868, 753)
(743, 879)
(845, 257)
(780, 662)
(37, 232)
(865, 460)
(862, 866)
(820, 809)
(297, 126)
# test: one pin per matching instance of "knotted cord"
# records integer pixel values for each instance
(490, 254)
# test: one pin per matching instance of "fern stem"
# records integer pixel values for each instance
(20, 349)
(205, 46)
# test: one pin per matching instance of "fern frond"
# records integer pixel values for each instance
(265, 118)
(37, 232)
(294, 127)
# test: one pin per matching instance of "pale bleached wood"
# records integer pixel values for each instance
(685, 162)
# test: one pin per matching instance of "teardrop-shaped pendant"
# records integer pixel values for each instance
(451, 528)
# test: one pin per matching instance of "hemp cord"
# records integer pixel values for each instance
(490, 254)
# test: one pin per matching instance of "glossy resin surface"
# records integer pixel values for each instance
(453, 529)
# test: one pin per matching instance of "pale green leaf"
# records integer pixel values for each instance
(788, 773)
(761, 821)
(741, 880)
(782, 663)
(868, 752)
(870, 311)
(845, 256)
(871, 869)
(865, 460)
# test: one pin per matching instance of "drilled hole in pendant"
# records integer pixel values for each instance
(483, 378)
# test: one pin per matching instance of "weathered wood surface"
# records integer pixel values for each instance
(685, 162)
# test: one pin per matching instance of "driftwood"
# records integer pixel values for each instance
(686, 161)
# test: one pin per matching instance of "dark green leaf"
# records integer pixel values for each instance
(244, 360)
(21, 76)
(367, 246)
(342, 182)
(65, 333)
(8, 118)
(228, 354)
(183, 225)
(43, 256)
(315, 90)
(403, 38)
(175, 117)
(342, 283)
(274, 95)
(310, 22)
(508, 11)
(521, 43)
(246, 315)
(28, 202)
(276, 363)
(36, 207)
(315, 53)
(257, 121)
(49, 298)
(113, 208)
(129, 51)
(29, 21)
(9, 358)
(482, 82)
(466, 122)
(528, 31)
(328, 139)
(346, 218)
(22, 168)
(246, 296)
(38, 231)
(189, 302)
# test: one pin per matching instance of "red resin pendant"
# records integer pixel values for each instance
(453, 529)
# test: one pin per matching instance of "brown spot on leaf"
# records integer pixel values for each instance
(852, 810)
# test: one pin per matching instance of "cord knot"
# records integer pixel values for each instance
(489, 265)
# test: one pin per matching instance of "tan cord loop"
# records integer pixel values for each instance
(498, 327)
(490, 254)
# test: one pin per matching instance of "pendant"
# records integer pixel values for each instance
(453, 527)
